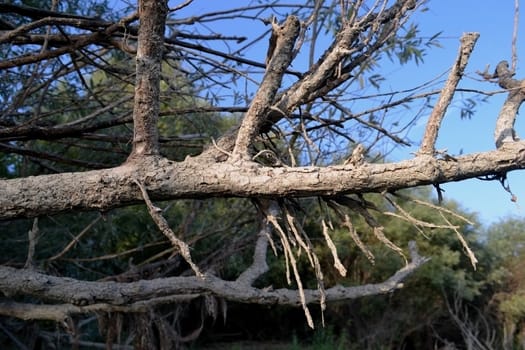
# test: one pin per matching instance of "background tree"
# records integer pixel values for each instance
(105, 110)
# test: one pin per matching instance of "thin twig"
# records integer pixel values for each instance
(333, 249)
(167, 231)
(33, 235)
(468, 251)
(515, 35)
(290, 260)
(76, 239)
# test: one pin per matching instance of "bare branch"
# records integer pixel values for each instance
(147, 85)
(468, 251)
(468, 40)
(333, 249)
(504, 131)
(110, 188)
(33, 236)
(284, 38)
(515, 35)
(76, 239)
(89, 296)
(259, 265)
(154, 211)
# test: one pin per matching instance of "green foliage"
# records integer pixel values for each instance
(409, 46)
(506, 243)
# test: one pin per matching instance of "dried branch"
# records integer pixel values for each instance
(154, 211)
(110, 188)
(346, 222)
(33, 236)
(259, 265)
(468, 251)
(62, 312)
(291, 261)
(76, 239)
(468, 40)
(504, 131)
(515, 35)
(84, 296)
(333, 249)
(281, 57)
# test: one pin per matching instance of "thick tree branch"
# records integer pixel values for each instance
(468, 40)
(152, 14)
(85, 296)
(111, 188)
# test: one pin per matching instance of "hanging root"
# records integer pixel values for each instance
(442, 211)
(333, 249)
(346, 222)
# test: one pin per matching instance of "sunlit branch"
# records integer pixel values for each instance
(468, 41)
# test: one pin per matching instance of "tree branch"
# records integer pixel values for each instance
(85, 296)
(164, 179)
(504, 131)
(468, 40)
(152, 14)
(280, 58)
(259, 265)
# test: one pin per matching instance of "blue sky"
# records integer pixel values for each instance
(494, 21)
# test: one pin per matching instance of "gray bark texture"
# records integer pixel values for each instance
(164, 179)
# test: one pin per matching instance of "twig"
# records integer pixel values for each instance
(468, 251)
(33, 236)
(181, 6)
(346, 222)
(333, 249)
(222, 150)
(468, 40)
(515, 35)
(76, 239)
(167, 231)
(290, 260)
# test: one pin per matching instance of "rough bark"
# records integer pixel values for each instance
(164, 179)
(281, 57)
(152, 15)
(504, 131)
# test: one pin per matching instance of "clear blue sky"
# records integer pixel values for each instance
(494, 21)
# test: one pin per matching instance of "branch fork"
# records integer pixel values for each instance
(280, 55)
